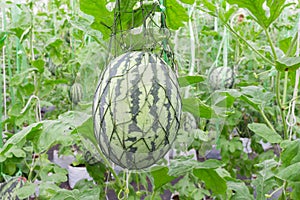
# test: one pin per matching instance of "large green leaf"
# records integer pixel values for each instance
(240, 190)
(184, 165)
(103, 18)
(288, 64)
(52, 173)
(74, 118)
(290, 173)
(19, 78)
(212, 180)
(26, 191)
(265, 132)
(290, 152)
(54, 132)
(188, 1)
(295, 194)
(13, 145)
(3, 36)
(160, 176)
(256, 96)
(264, 17)
(176, 14)
(189, 80)
(265, 179)
(197, 108)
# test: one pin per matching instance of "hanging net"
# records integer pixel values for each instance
(137, 105)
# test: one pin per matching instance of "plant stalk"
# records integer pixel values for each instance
(278, 99)
(249, 45)
(267, 120)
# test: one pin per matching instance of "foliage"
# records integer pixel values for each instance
(48, 47)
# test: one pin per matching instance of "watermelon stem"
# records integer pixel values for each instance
(249, 45)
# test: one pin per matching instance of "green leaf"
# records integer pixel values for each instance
(97, 171)
(26, 191)
(39, 64)
(47, 190)
(19, 78)
(265, 132)
(103, 19)
(160, 176)
(188, 1)
(240, 190)
(288, 64)
(263, 186)
(290, 152)
(88, 190)
(86, 130)
(197, 108)
(74, 118)
(265, 180)
(256, 96)
(18, 140)
(263, 17)
(184, 165)
(285, 46)
(290, 173)
(212, 180)
(176, 14)
(63, 194)
(295, 194)
(54, 132)
(53, 173)
(210, 6)
(3, 36)
(189, 80)
(54, 47)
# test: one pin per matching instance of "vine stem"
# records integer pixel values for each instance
(271, 44)
(4, 72)
(109, 166)
(267, 120)
(192, 44)
(249, 45)
(277, 86)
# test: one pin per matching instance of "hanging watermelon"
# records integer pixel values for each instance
(136, 110)
(76, 93)
(221, 77)
(8, 189)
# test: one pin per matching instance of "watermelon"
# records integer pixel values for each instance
(9, 188)
(136, 110)
(220, 78)
(188, 121)
(76, 93)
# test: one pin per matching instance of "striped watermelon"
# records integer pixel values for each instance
(136, 110)
(221, 77)
(9, 188)
(76, 93)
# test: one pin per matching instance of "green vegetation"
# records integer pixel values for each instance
(53, 52)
